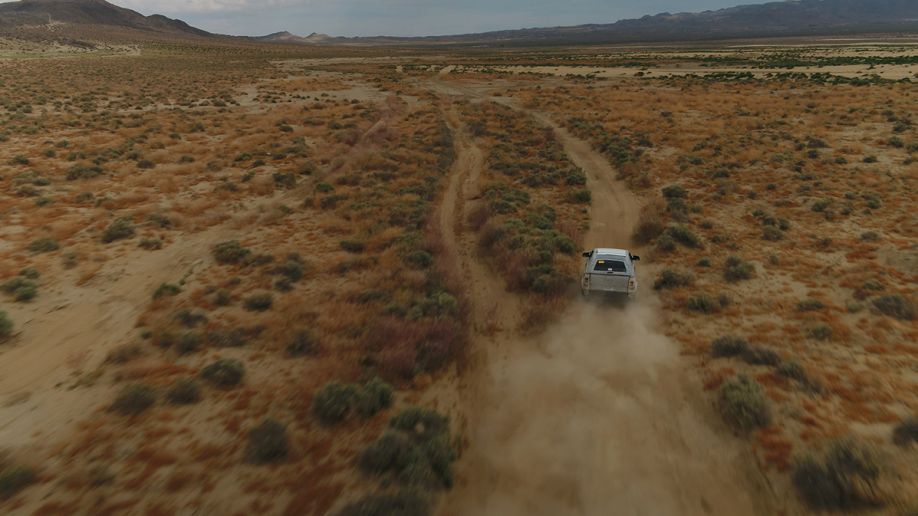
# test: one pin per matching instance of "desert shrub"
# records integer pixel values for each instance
(166, 289)
(417, 451)
(119, 229)
(190, 318)
(184, 392)
(15, 479)
(259, 302)
(684, 235)
(223, 298)
(669, 279)
(226, 338)
(30, 273)
(123, 354)
(189, 343)
(293, 269)
(761, 356)
(419, 259)
(821, 205)
(333, 401)
(704, 304)
(83, 172)
(6, 326)
(906, 432)
(44, 245)
(151, 244)
(303, 343)
(742, 403)
(230, 252)
(403, 503)
(134, 399)
(649, 228)
(267, 442)
(736, 269)
(224, 373)
(375, 396)
(665, 244)
(424, 423)
(895, 306)
(582, 196)
(810, 305)
(729, 346)
(674, 192)
(352, 246)
(21, 288)
(772, 233)
(820, 332)
(845, 479)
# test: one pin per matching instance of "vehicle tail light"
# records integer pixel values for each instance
(632, 285)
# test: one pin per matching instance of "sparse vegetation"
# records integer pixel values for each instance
(743, 405)
(134, 400)
(846, 478)
(267, 442)
(224, 373)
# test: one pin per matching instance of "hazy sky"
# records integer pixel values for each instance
(405, 17)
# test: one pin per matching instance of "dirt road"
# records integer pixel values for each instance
(596, 416)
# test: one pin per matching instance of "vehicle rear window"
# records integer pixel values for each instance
(610, 266)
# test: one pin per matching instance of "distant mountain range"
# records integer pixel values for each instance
(286, 37)
(775, 19)
(38, 13)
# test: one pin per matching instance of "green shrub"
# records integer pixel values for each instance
(119, 229)
(895, 306)
(398, 504)
(184, 392)
(417, 451)
(189, 343)
(704, 304)
(582, 196)
(226, 338)
(15, 479)
(669, 279)
(665, 244)
(674, 192)
(736, 269)
(906, 432)
(267, 442)
(303, 343)
(684, 235)
(820, 332)
(729, 346)
(352, 246)
(259, 302)
(44, 245)
(845, 479)
(761, 356)
(22, 289)
(375, 396)
(6, 326)
(230, 252)
(224, 373)
(151, 244)
(134, 399)
(772, 234)
(420, 422)
(810, 305)
(167, 289)
(333, 402)
(743, 405)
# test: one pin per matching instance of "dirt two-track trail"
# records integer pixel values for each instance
(597, 415)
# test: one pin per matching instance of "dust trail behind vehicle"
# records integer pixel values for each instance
(596, 416)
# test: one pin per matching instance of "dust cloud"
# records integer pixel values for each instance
(594, 417)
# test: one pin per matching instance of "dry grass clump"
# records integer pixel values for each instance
(846, 478)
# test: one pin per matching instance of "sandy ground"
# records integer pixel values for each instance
(597, 413)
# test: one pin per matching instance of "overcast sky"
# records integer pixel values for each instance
(405, 17)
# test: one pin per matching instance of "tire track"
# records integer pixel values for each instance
(596, 416)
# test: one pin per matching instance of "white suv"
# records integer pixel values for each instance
(610, 271)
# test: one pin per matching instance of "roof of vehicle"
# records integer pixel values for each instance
(612, 252)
